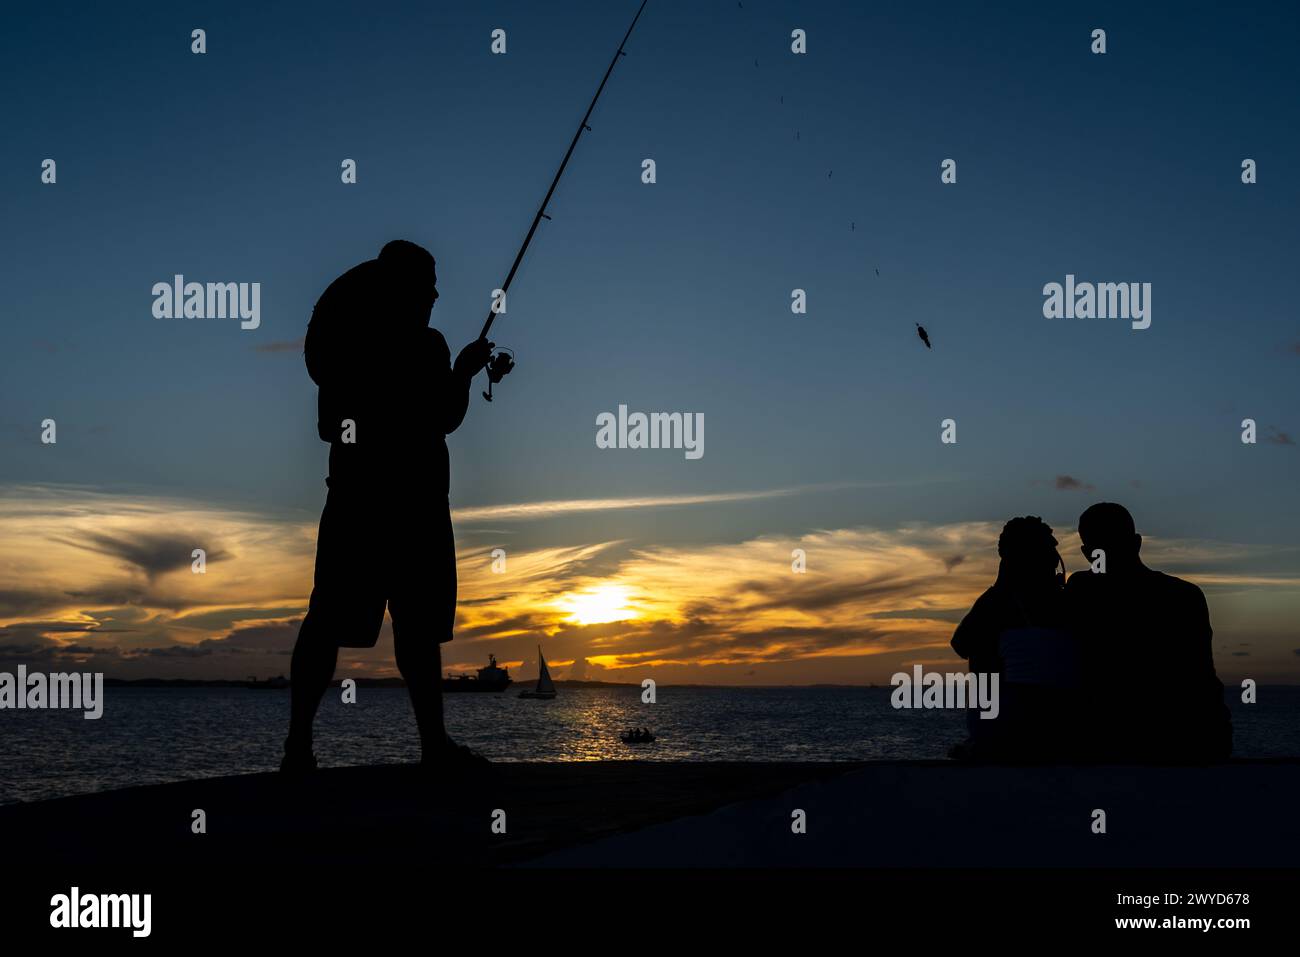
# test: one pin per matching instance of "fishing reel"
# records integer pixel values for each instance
(497, 368)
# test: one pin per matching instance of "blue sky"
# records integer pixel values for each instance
(675, 296)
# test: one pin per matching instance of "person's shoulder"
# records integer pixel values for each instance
(330, 341)
(976, 624)
(1172, 582)
(985, 606)
(1083, 579)
(357, 283)
(1179, 588)
(356, 277)
(437, 342)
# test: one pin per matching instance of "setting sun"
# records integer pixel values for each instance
(597, 605)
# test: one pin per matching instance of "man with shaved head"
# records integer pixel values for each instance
(1155, 696)
(389, 395)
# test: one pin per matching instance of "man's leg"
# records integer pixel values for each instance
(315, 655)
(314, 659)
(419, 659)
(346, 610)
(423, 609)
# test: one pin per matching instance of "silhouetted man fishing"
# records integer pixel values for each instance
(388, 396)
(1146, 636)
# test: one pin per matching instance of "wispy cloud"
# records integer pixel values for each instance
(525, 511)
(92, 577)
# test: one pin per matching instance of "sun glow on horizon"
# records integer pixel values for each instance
(104, 582)
(598, 605)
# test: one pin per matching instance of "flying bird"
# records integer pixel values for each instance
(830, 173)
(920, 331)
(853, 227)
(877, 270)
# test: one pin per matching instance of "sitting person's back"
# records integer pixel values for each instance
(1039, 655)
(1017, 630)
(1153, 695)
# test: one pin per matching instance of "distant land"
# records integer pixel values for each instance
(361, 683)
(399, 683)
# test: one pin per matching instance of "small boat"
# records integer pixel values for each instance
(638, 737)
(545, 686)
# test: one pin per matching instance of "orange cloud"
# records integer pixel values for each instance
(110, 575)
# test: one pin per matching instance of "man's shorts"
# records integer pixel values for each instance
(375, 551)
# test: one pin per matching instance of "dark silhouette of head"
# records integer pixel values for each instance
(412, 280)
(1109, 527)
(1027, 549)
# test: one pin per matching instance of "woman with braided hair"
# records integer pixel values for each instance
(1018, 630)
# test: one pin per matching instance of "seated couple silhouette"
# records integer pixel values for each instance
(1113, 666)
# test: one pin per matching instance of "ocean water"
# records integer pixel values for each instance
(154, 735)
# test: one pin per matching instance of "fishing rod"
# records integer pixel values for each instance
(503, 361)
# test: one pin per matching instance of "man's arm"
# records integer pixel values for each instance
(456, 382)
(1202, 634)
(455, 401)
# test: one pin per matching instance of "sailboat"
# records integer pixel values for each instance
(545, 686)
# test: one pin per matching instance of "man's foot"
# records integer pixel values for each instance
(452, 755)
(297, 760)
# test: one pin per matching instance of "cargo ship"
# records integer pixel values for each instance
(491, 678)
(278, 683)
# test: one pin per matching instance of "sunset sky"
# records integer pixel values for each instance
(775, 172)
